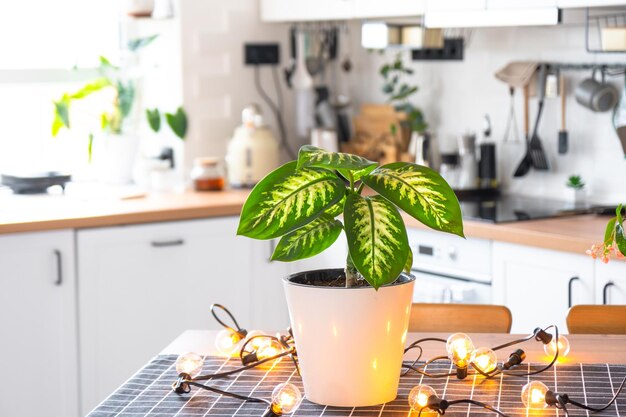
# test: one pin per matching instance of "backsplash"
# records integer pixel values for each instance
(455, 96)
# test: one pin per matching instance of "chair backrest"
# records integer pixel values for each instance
(597, 319)
(470, 318)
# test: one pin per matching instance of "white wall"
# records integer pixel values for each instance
(216, 83)
(456, 95)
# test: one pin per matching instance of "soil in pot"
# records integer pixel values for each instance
(332, 278)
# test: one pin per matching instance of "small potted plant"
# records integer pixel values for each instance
(575, 182)
(349, 324)
(614, 243)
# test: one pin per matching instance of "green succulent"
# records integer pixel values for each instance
(300, 201)
(575, 182)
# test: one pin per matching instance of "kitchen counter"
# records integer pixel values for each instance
(51, 212)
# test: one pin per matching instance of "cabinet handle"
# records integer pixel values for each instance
(272, 248)
(605, 292)
(166, 243)
(59, 259)
(569, 290)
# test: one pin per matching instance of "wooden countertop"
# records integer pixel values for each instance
(584, 348)
(50, 212)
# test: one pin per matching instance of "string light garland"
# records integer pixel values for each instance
(483, 360)
(256, 348)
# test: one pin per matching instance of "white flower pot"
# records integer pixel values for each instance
(114, 157)
(350, 341)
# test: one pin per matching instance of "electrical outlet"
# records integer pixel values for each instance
(261, 53)
(452, 51)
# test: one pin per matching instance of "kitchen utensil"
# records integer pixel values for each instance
(518, 73)
(537, 153)
(487, 166)
(34, 183)
(596, 96)
(253, 151)
(552, 85)
(563, 137)
(468, 177)
(526, 162)
(425, 149)
(449, 168)
(619, 119)
(511, 123)
(305, 96)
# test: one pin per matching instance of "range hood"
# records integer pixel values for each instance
(543, 16)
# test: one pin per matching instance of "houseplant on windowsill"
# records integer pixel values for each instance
(349, 325)
(115, 147)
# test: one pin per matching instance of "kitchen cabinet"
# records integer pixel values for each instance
(539, 285)
(563, 4)
(141, 286)
(306, 10)
(519, 4)
(610, 282)
(455, 5)
(38, 325)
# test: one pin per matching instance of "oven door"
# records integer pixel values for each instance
(436, 287)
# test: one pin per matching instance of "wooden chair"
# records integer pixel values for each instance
(597, 319)
(467, 318)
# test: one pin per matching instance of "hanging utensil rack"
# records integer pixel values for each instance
(595, 23)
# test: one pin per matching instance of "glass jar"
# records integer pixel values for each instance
(207, 174)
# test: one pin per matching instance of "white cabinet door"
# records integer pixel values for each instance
(519, 4)
(455, 5)
(364, 9)
(611, 282)
(589, 3)
(306, 10)
(38, 325)
(142, 286)
(538, 285)
(269, 306)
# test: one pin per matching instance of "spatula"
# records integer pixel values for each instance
(563, 136)
(526, 162)
(537, 153)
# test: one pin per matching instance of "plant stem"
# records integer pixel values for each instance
(351, 273)
(351, 180)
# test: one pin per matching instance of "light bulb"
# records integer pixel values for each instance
(257, 339)
(550, 348)
(189, 363)
(485, 360)
(534, 395)
(227, 342)
(460, 348)
(286, 398)
(270, 349)
(419, 395)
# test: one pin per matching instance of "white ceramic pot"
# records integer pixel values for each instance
(350, 341)
(114, 157)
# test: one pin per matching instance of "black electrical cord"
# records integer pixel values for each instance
(442, 406)
(565, 399)
(275, 109)
(237, 328)
(187, 383)
(241, 368)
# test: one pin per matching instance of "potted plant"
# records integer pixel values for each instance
(575, 182)
(614, 243)
(349, 324)
(398, 91)
(116, 146)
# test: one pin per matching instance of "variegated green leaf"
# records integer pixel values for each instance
(287, 199)
(620, 238)
(409, 262)
(377, 238)
(336, 209)
(420, 192)
(311, 156)
(308, 240)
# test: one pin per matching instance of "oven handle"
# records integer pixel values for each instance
(454, 277)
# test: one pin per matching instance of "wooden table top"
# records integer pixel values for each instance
(584, 348)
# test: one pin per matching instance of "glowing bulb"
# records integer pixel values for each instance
(189, 363)
(257, 339)
(534, 395)
(419, 395)
(550, 348)
(286, 398)
(460, 348)
(485, 360)
(227, 342)
(272, 348)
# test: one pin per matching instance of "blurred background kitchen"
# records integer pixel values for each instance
(134, 129)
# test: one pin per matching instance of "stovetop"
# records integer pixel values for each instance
(507, 208)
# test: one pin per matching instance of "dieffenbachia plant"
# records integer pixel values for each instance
(300, 202)
(614, 243)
